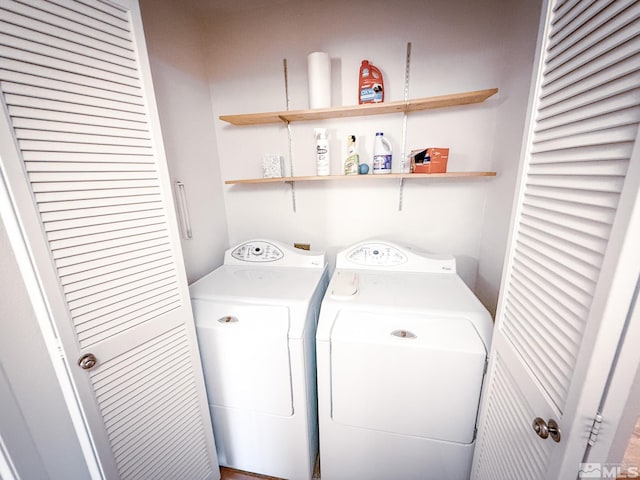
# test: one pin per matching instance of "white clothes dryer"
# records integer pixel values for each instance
(401, 351)
(256, 318)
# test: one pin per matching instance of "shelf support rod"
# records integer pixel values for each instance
(289, 135)
(404, 159)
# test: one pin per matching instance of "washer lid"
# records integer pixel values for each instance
(402, 292)
(249, 283)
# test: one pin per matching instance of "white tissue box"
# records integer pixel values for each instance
(272, 166)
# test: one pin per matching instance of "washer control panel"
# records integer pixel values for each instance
(376, 254)
(386, 256)
(257, 251)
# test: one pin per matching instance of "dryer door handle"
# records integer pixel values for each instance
(404, 334)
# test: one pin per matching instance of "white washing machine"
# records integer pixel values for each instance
(401, 350)
(256, 318)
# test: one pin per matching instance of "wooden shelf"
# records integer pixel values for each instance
(415, 176)
(401, 106)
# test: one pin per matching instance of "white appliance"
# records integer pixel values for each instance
(401, 350)
(256, 318)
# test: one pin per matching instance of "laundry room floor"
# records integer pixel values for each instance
(231, 474)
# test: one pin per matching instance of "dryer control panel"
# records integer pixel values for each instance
(272, 254)
(257, 251)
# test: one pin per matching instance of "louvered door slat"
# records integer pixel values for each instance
(55, 116)
(131, 204)
(597, 24)
(527, 292)
(612, 167)
(564, 88)
(89, 175)
(80, 129)
(581, 260)
(109, 8)
(103, 254)
(91, 316)
(98, 264)
(613, 97)
(63, 82)
(623, 134)
(68, 107)
(80, 17)
(115, 270)
(616, 151)
(36, 44)
(101, 15)
(168, 360)
(92, 287)
(610, 184)
(78, 235)
(572, 213)
(91, 188)
(130, 316)
(37, 24)
(43, 167)
(612, 51)
(38, 9)
(76, 81)
(42, 93)
(611, 113)
(66, 66)
(71, 138)
(106, 291)
(509, 412)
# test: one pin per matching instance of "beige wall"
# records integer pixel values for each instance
(176, 53)
(456, 46)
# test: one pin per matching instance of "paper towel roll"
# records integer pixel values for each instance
(319, 76)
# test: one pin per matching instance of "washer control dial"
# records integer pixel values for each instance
(257, 251)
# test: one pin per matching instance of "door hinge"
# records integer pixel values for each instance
(595, 429)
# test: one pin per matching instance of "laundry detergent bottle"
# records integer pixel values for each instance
(370, 84)
(381, 154)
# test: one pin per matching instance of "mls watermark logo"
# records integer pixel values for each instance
(608, 470)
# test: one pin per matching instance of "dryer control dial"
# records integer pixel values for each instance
(377, 254)
(257, 252)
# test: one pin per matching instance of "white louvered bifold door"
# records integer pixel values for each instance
(82, 154)
(568, 277)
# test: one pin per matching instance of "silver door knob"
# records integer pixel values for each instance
(546, 430)
(87, 361)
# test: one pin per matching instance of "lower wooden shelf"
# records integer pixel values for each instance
(414, 176)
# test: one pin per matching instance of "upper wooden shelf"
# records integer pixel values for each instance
(400, 106)
(421, 176)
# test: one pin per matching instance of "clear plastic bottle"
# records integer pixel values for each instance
(352, 163)
(381, 154)
(323, 160)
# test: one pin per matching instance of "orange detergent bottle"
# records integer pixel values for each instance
(370, 85)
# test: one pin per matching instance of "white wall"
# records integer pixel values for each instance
(457, 46)
(175, 44)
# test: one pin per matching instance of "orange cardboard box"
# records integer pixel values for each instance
(429, 160)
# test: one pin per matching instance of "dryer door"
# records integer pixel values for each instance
(408, 374)
(245, 356)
